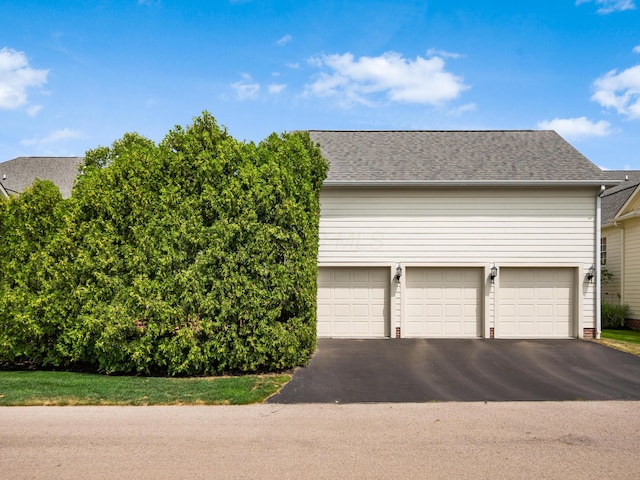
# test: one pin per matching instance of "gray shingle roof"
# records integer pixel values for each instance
(614, 198)
(17, 174)
(540, 156)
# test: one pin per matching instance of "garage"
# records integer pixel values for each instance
(443, 302)
(535, 303)
(353, 302)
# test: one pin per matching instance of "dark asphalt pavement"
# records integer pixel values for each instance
(425, 370)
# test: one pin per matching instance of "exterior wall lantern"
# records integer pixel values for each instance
(398, 273)
(493, 274)
(591, 273)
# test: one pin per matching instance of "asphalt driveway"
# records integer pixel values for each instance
(426, 370)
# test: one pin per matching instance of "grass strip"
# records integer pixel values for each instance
(625, 340)
(31, 388)
(630, 336)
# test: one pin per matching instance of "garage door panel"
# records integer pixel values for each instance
(340, 276)
(431, 328)
(535, 303)
(545, 293)
(361, 294)
(352, 302)
(341, 310)
(471, 312)
(360, 311)
(526, 311)
(341, 293)
(545, 311)
(526, 328)
(545, 328)
(443, 302)
(452, 330)
(340, 328)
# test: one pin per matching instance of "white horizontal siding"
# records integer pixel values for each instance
(470, 225)
(462, 227)
(612, 290)
(632, 266)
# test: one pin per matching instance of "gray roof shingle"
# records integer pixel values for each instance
(535, 156)
(18, 174)
(613, 199)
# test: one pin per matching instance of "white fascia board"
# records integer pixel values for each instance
(627, 216)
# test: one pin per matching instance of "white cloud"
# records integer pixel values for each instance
(577, 127)
(610, 6)
(33, 110)
(246, 89)
(636, 49)
(443, 53)
(293, 66)
(620, 91)
(284, 40)
(423, 80)
(55, 137)
(275, 88)
(467, 107)
(16, 76)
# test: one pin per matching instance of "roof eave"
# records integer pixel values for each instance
(471, 183)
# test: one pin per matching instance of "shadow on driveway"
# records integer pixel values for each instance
(424, 370)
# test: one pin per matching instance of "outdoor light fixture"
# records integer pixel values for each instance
(591, 273)
(493, 274)
(398, 272)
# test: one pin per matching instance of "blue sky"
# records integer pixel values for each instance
(78, 74)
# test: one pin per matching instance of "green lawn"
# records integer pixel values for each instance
(623, 335)
(65, 388)
(625, 340)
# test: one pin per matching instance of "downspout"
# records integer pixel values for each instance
(623, 252)
(598, 264)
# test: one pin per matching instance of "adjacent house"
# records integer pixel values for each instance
(17, 174)
(620, 243)
(463, 234)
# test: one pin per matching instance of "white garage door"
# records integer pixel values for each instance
(535, 303)
(443, 302)
(353, 302)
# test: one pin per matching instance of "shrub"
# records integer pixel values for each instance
(613, 315)
(27, 225)
(194, 256)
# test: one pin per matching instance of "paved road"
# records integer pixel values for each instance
(463, 370)
(543, 440)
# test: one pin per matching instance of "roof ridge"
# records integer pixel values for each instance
(427, 131)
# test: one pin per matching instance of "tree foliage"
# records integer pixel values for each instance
(197, 255)
(27, 225)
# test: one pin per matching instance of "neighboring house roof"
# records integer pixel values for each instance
(454, 157)
(613, 199)
(17, 174)
(3, 191)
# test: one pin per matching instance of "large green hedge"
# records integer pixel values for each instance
(194, 256)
